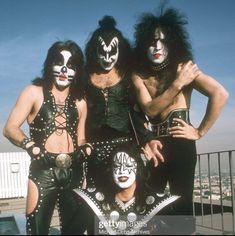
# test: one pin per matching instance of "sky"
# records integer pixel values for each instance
(29, 27)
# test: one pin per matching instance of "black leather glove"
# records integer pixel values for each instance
(87, 148)
(81, 155)
(34, 157)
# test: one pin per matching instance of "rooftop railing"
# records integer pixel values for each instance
(214, 197)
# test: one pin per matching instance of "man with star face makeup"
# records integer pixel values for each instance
(124, 204)
(164, 78)
(110, 118)
(158, 52)
(55, 110)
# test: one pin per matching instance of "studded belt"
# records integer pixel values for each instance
(112, 141)
(103, 148)
(61, 160)
(162, 129)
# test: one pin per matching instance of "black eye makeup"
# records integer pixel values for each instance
(59, 60)
(71, 64)
(100, 49)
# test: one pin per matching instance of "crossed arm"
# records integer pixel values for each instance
(186, 74)
(152, 106)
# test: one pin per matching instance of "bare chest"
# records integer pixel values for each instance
(153, 85)
(104, 81)
(157, 87)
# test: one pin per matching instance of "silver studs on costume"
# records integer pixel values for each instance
(132, 217)
(150, 200)
(99, 196)
(114, 215)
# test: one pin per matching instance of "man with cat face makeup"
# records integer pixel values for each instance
(110, 118)
(55, 110)
(164, 78)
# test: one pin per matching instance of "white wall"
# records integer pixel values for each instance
(14, 169)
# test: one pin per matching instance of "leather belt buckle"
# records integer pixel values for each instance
(63, 160)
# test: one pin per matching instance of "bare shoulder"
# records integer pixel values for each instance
(31, 92)
(136, 77)
(81, 104)
(137, 80)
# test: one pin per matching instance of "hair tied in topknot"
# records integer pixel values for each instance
(107, 22)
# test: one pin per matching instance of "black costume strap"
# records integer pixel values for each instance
(162, 129)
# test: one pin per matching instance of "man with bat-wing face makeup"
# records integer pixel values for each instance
(111, 119)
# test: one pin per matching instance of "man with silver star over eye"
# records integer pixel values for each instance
(124, 170)
(110, 119)
(125, 204)
(55, 110)
(164, 78)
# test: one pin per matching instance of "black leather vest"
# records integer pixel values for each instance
(108, 107)
(44, 123)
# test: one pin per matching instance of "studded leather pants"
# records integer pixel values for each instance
(54, 187)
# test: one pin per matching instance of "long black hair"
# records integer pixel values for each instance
(107, 30)
(172, 23)
(46, 81)
(103, 174)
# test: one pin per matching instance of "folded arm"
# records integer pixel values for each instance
(186, 73)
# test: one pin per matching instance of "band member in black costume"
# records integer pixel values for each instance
(55, 110)
(110, 119)
(125, 204)
(164, 78)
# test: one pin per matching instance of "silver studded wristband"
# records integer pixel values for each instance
(25, 141)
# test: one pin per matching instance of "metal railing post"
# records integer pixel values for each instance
(232, 188)
(200, 180)
(210, 189)
(221, 193)
(216, 210)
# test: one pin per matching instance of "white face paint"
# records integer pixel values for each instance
(62, 70)
(108, 54)
(158, 51)
(124, 170)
